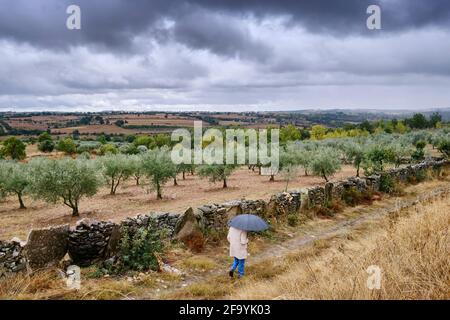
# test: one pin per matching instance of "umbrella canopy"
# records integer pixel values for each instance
(248, 222)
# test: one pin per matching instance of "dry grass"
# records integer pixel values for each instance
(412, 250)
(199, 262)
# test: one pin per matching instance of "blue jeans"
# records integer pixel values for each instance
(239, 264)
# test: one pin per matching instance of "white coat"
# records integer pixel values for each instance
(238, 243)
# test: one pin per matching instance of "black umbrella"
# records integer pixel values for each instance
(248, 222)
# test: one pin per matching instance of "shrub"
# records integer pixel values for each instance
(138, 250)
(46, 146)
(388, 185)
(352, 196)
(67, 146)
(444, 147)
(292, 219)
(324, 211)
(108, 149)
(13, 148)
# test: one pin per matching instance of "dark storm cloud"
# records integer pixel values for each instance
(113, 24)
(133, 53)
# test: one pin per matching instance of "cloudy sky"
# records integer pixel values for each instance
(223, 55)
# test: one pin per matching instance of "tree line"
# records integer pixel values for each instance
(68, 180)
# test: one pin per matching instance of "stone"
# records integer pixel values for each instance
(189, 231)
(92, 241)
(46, 247)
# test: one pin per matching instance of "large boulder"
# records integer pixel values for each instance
(46, 247)
(189, 231)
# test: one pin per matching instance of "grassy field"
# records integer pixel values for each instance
(411, 246)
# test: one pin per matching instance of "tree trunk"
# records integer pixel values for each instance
(158, 192)
(259, 170)
(357, 171)
(75, 212)
(137, 180)
(112, 187)
(325, 177)
(175, 183)
(184, 173)
(225, 183)
(272, 177)
(22, 205)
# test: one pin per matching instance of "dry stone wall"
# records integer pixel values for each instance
(91, 241)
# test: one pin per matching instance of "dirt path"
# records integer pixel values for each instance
(303, 238)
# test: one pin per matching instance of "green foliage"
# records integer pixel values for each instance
(159, 168)
(142, 141)
(354, 152)
(293, 219)
(115, 169)
(67, 180)
(67, 145)
(138, 250)
(44, 136)
(129, 149)
(108, 148)
(418, 121)
(352, 196)
(13, 148)
(14, 179)
(289, 133)
(325, 162)
(289, 165)
(136, 167)
(216, 172)
(377, 156)
(444, 147)
(46, 146)
(387, 184)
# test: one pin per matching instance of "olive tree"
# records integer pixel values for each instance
(289, 164)
(325, 162)
(115, 169)
(354, 152)
(444, 147)
(216, 172)
(66, 180)
(14, 179)
(137, 168)
(158, 167)
(401, 151)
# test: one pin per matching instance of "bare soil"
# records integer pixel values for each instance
(131, 200)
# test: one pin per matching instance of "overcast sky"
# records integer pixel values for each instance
(223, 55)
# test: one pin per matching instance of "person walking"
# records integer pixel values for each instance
(238, 250)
